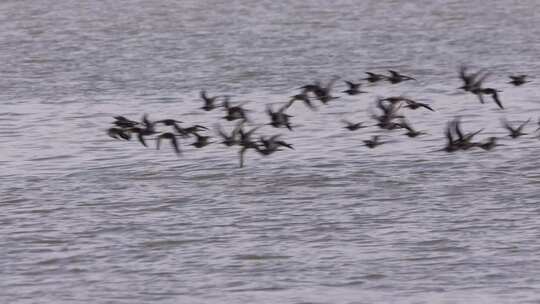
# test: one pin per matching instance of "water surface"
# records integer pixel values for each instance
(85, 218)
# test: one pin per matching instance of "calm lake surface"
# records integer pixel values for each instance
(88, 219)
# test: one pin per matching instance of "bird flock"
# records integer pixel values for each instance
(390, 118)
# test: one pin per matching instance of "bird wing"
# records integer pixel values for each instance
(141, 139)
(174, 143)
(241, 154)
(113, 132)
(480, 97)
(457, 128)
(426, 106)
(125, 135)
(448, 134)
(158, 142)
(350, 84)
(495, 96)
(478, 82)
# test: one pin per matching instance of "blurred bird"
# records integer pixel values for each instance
(396, 77)
(518, 80)
(515, 132)
(354, 88)
(279, 118)
(209, 102)
(373, 142)
(353, 126)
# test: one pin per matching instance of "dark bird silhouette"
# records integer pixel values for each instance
(234, 112)
(413, 105)
(266, 151)
(396, 77)
(167, 122)
(387, 115)
(322, 93)
(518, 80)
(123, 122)
(246, 143)
(119, 133)
(279, 118)
(464, 140)
(353, 126)
(272, 145)
(515, 132)
(461, 141)
(372, 77)
(245, 137)
(451, 145)
(471, 81)
(354, 88)
(122, 118)
(467, 79)
(385, 121)
(209, 102)
(494, 95)
(373, 142)
(170, 136)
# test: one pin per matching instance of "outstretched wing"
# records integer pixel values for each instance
(495, 96)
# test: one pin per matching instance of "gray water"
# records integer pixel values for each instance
(87, 219)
